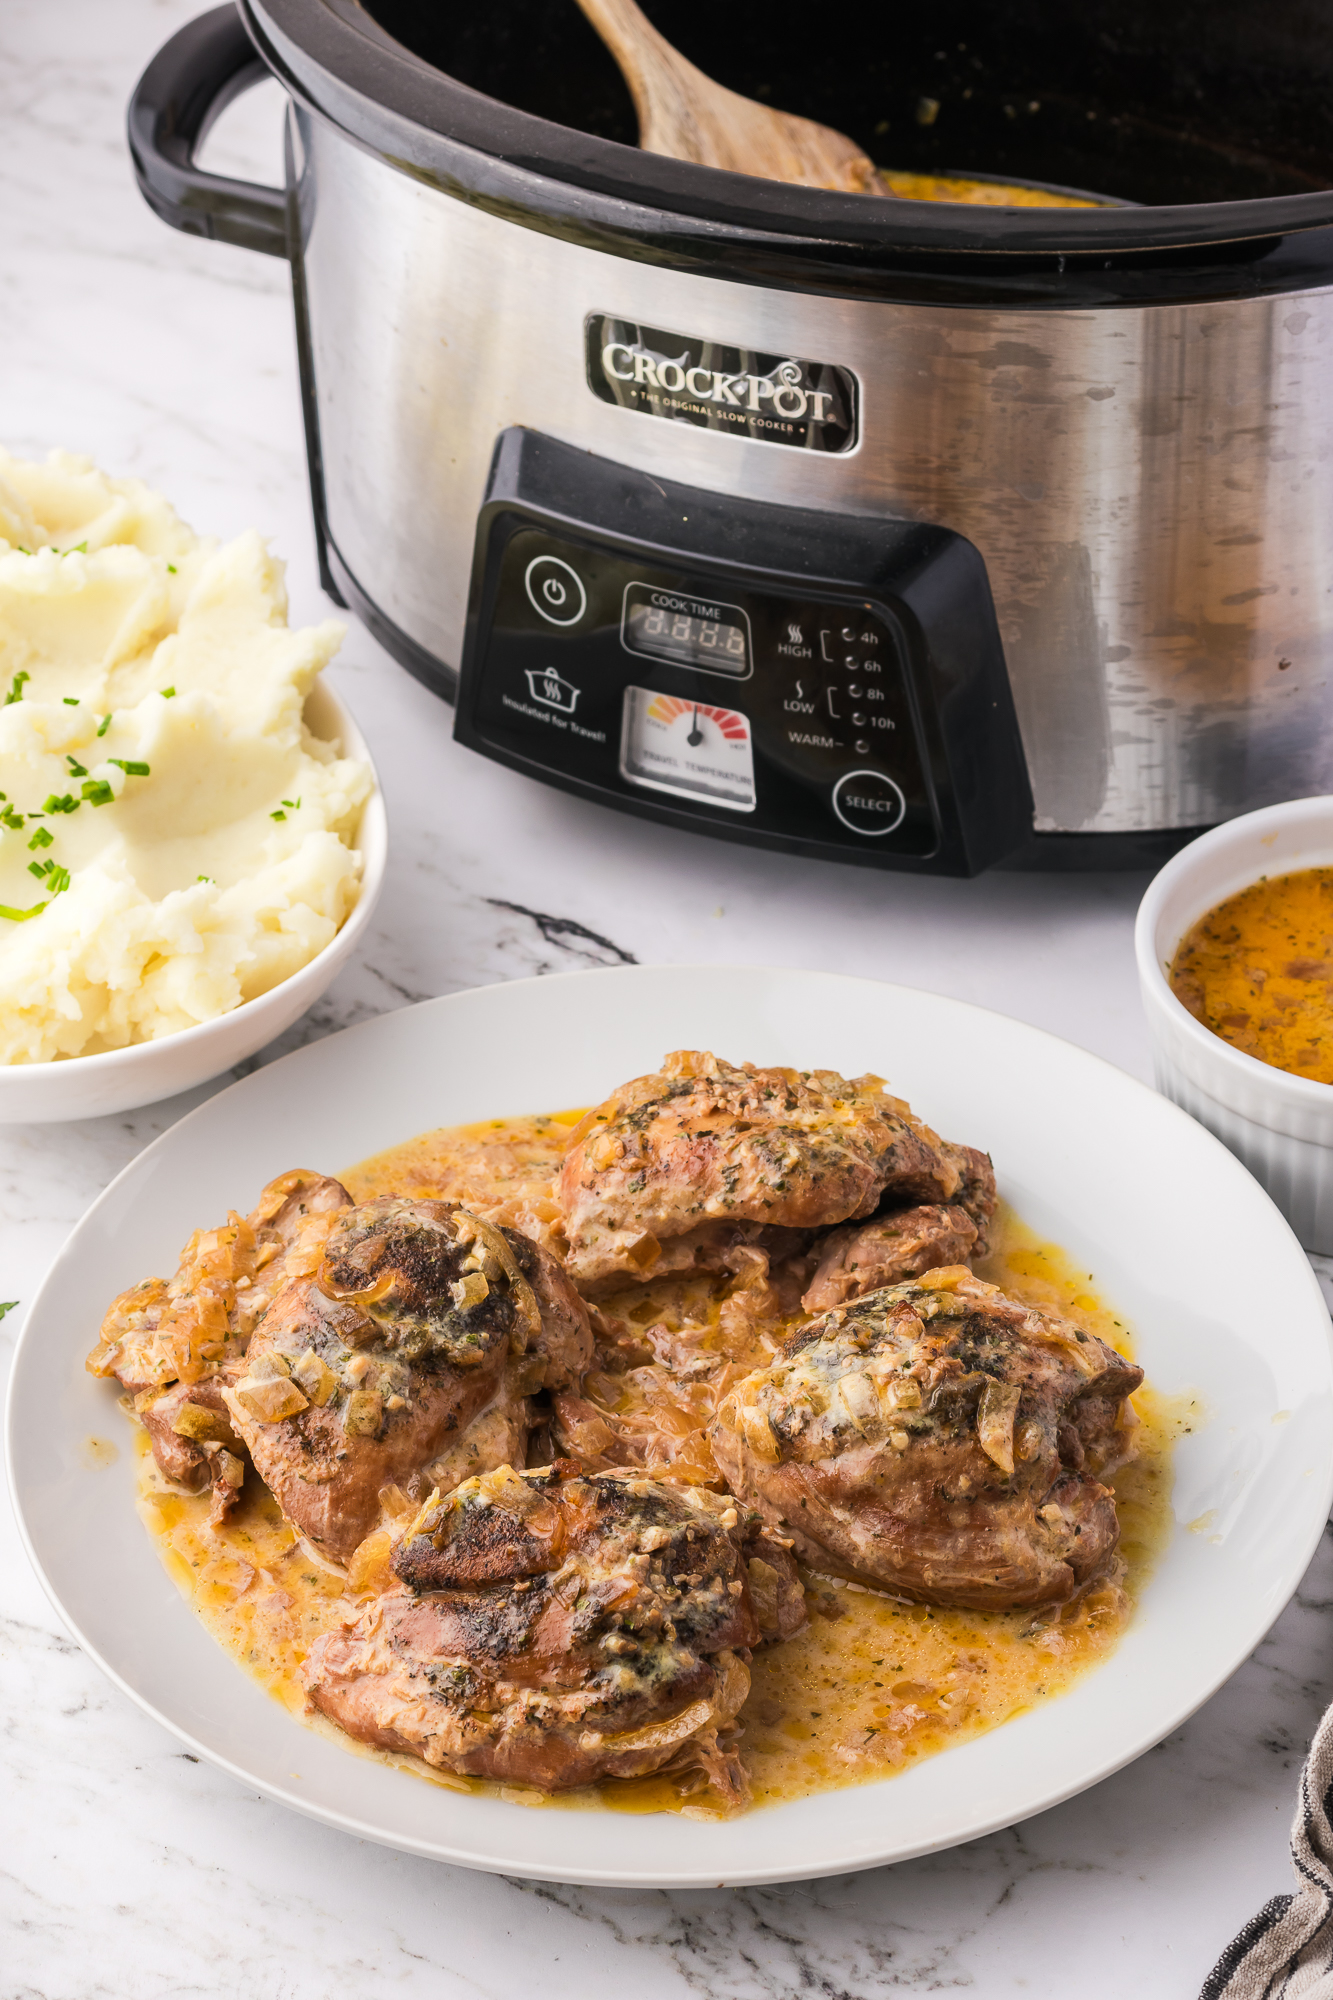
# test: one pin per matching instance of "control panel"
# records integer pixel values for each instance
(669, 652)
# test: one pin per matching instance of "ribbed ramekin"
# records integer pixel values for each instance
(1279, 1125)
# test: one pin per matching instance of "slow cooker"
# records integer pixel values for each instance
(913, 535)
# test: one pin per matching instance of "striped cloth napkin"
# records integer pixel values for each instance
(1286, 1951)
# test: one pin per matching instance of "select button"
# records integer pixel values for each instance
(867, 802)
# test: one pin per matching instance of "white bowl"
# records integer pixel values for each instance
(1280, 1125)
(92, 1086)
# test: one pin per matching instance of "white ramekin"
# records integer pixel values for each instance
(92, 1086)
(1280, 1126)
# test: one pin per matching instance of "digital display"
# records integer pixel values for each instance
(665, 625)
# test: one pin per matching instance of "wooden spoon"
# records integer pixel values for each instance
(687, 116)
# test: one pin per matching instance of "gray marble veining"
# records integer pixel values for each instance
(128, 1869)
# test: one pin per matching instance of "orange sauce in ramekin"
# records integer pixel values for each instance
(1257, 971)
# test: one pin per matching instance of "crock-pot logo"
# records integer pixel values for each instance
(778, 398)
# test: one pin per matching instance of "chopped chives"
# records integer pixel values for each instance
(104, 725)
(76, 769)
(98, 792)
(42, 838)
(21, 916)
(70, 700)
(129, 766)
(16, 687)
(167, 693)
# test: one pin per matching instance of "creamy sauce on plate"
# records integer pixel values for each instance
(870, 1685)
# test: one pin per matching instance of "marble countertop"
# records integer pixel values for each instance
(129, 1868)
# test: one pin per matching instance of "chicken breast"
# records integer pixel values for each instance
(405, 1360)
(940, 1440)
(173, 1344)
(552, 1628)
(676, 1168)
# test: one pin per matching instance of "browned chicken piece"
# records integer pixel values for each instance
(664, 1357)
(173, 1344)
(406, 1359)
(940, 1440)
(866, 1256)
(676, 1168)
(552, 1628)
(905, 1242)
(648, 1419)
(977, 1194)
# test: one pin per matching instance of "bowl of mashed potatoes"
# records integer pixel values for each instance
(191, 835)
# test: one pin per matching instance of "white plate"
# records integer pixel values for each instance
(1174, 1230)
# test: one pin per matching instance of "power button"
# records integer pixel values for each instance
(555, 590)
(867, 802)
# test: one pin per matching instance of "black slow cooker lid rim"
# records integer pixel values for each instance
(340, 38)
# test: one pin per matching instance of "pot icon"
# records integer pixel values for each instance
(552, 689)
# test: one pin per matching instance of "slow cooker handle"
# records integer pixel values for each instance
(190, 80)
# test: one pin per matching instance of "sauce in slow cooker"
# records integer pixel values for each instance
(976, 194)
(1257, 971)
(869, 1687)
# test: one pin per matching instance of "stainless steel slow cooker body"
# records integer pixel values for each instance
(1128, 412)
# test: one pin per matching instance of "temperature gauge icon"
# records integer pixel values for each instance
(691, 748)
